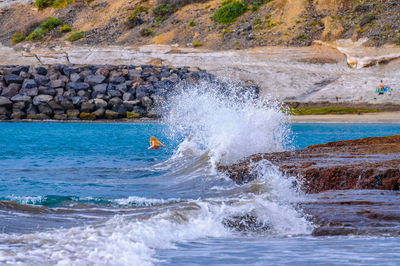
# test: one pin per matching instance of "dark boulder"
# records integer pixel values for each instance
(78, 86)
(12, 78)
(93, 80)
(5, 102)
(29, 84)
(87, 107)
(11, 90)
(41, 70)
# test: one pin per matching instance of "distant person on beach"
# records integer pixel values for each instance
(381, 86)
(155, 143)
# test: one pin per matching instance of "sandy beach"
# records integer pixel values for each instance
(383, 117)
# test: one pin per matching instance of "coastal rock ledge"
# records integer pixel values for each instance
(78, 92)
(369, 163)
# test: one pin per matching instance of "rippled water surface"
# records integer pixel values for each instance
(79, 193)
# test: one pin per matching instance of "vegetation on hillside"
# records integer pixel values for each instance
(46, 26)
(229, 11)
(331, 110)
(76, 36)
(223, 24)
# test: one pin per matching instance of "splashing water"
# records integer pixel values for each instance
(228, 123)
(220, 126)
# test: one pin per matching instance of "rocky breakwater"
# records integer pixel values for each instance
(65, 92)
(353, 185)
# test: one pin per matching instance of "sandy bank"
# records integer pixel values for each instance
(383, 117)
(290, 74)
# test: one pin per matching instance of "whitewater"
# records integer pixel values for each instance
(92, 194)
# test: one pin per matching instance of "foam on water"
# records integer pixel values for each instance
(221, 127)
(270, 200)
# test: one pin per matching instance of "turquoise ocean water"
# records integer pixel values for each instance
(84, 194)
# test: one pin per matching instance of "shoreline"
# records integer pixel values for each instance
(381, 117)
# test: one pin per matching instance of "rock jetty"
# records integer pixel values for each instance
(369, 163)
(76, 92)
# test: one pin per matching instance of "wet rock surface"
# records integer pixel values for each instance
(352, 186)
(370, 163)
(90, 92)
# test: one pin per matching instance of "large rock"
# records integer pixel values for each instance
(58, 83)
(111, 114)
(144, 90)
(127, 96)
(21, 98)
(74, 113)
(68, 105)
(87, 107)
(77, 100)
(370, 163)
(75, 77)
(40, 79)
(146, 102)
(12, 78)
(18, 106)
(100, 103)
(30, 92)
(29, 84)
(47, 90)
(117, 80)
(5, 102)
(11, 90)
(87, 116)
(114, 93)
(100, 88)
(31, 109)
(41, 70)
(115, 101)
(93, 80)
(99, 113)
(69, 94)
(56, 106)
(42, 99)
(78, 86)
(45, 109)
(17, 115)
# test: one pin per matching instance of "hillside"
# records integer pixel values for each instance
(214, 24)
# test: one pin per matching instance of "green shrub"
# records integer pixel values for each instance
(65, 28)
(302, 37)
(76, 36)
(163, 11)
(62, 3)
(50, 24)
(44, 27)
(88, 1)
(132, 18)
(229, 13)
(147, 32)
(225, 2)
(197, 44)
(36, 34)
(330, 110)
(191, 23)
(18, 37)
(43, 3)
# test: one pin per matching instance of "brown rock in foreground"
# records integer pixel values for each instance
(369, 163)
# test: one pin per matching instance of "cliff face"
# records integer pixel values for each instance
(194, 23)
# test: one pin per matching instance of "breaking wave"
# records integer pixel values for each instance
(214, 126)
